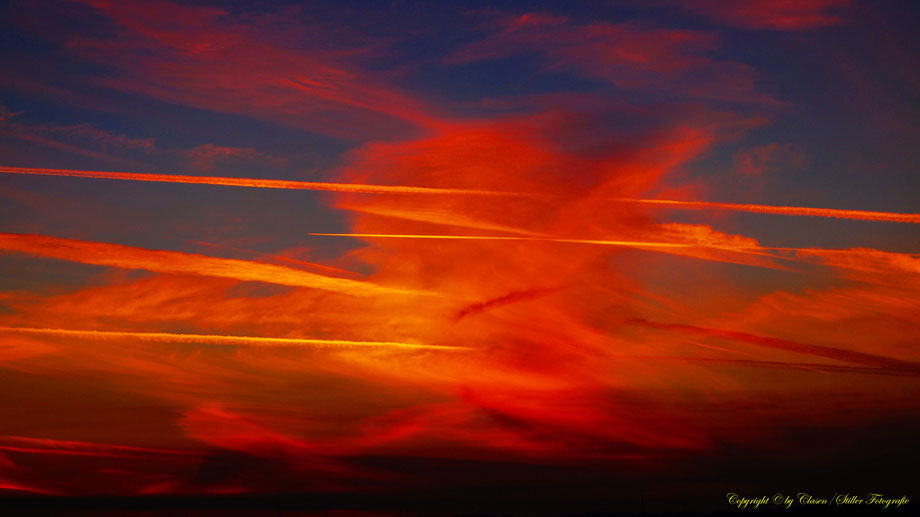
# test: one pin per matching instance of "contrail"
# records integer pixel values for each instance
(212, 339)
(862, 215)
(739, 248)
(885, 261)
(128, 257)
(257, 183)
(636, 244)
(838, 354)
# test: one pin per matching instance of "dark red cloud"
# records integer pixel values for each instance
(630, 55)
(787, 15)
(207, 58)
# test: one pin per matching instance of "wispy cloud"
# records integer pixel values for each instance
(127, 257)
(767, 14)
(178, 53)
(628, 55)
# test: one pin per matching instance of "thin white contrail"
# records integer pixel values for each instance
(216, 339)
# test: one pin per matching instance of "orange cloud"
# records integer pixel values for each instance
(127, 257)
(862, 215)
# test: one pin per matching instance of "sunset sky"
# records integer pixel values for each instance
(583, 255)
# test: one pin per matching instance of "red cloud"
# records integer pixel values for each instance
(207, 58)
(627, 55)
(786, 15)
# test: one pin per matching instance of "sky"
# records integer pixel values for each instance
(477, 257)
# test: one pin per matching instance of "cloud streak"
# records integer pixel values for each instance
(861, 215)
(768, 14)
(629, 244)
(256, 183)
(439, 217)
(840, 354)
(207, 339)
(127, 257)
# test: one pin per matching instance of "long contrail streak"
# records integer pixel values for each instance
(257, 183)
(212, 339)
(862, 215)
(740, 248)
(636, 244)
(887, 260)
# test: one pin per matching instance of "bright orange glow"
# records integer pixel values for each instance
(279, 258)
